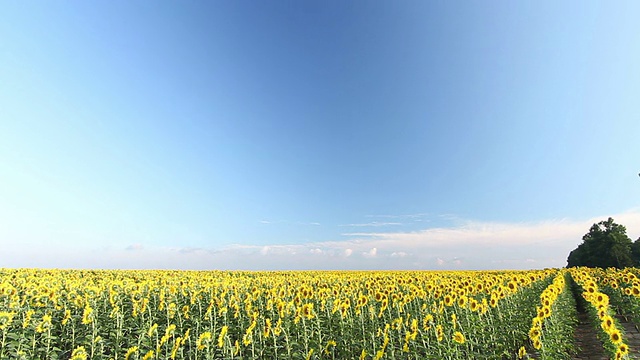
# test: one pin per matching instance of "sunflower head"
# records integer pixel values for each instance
(615, 336)
(458, 337)
(522, 352)
(537, 344)
(5, 319)
(623, 348)
(448, 300)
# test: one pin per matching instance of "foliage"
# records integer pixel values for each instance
(605, 245)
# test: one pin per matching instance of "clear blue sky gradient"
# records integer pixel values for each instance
(203, 124)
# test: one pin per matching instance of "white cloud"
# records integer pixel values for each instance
(468, 245)
(399, 254)
(477, 233)
(371, 253)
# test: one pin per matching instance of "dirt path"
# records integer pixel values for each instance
(588, 345)
(631, 336)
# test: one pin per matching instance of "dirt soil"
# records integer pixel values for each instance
(588, 344)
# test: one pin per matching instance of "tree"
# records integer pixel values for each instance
(606, 245)
(635, 250)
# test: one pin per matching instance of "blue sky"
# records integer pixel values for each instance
(267, 135)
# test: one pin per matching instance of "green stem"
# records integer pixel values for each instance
(3, 339)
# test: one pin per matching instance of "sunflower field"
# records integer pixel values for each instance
(108, 314)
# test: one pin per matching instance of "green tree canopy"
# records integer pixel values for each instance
(606, 245)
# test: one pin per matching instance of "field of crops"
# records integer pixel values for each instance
(65, 314)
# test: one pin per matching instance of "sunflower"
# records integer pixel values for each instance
(45, 324)
(484, 306)
(522, 352)
(458, 337)
(615, 336)
(223, 333)
(602, 313)
(152, 330)
(79, 353)
(601, 299)
(427, 321)
(363, 354)
(448, 300)
(307, 311)
(344, 309)
(414, 326)
(87, 318)
(534, 333)
(462, 301)
(473, 304)
(27, 318)
(203, 339)
(276, 330)
(607, 323)
(66, 318)
(623, 348)
(439, 333)
(267, 327)
(537, 344)
(537, 322)
(5, 319)
(330, 343)
(493, 302)
(130, 352)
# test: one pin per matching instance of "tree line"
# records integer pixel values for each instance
(606, 245)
